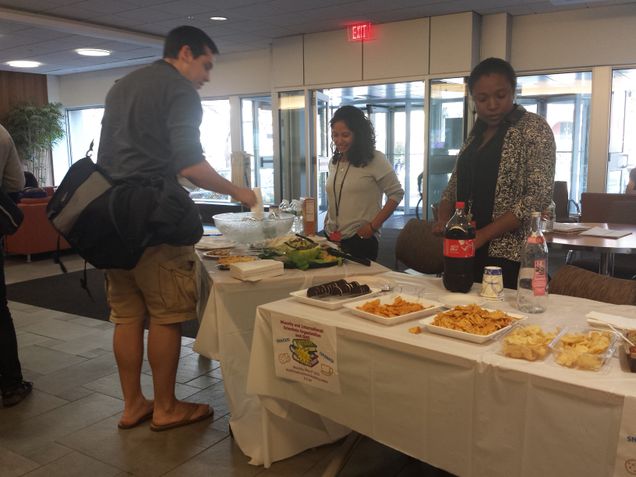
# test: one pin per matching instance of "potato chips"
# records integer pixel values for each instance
(527, 342)
(584, 350)
(473, 319)
(399, 307)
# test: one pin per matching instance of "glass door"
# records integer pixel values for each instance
(564, 101)
(447, 111)
(257, 141)
(293, 144)
(622, 140)
(320, 149)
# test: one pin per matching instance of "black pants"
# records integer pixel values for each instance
(509, 268)
(361, 247)
(10, 371)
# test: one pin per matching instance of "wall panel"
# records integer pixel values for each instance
(454, 43)
(18, 88)
(397, 49)
(576, 38)
(287, 62)
(330, 58)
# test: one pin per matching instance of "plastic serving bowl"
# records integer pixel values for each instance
(244, 228)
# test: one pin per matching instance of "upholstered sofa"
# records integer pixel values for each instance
(36, 234)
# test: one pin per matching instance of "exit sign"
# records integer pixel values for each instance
(359, 32)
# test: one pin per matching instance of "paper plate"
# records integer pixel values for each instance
(463, 335)
(430, 307)
(331, 302)
(214, 243)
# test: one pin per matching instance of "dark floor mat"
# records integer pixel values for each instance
(64, 293)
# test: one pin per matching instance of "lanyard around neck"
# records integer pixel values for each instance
(338, 198)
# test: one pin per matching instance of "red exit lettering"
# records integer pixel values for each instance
(359, 32)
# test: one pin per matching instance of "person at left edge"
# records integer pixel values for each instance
(151, 128)
(359, 177)
(13, 386)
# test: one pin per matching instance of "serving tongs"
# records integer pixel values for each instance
(339, 253)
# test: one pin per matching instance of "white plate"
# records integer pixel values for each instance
(216, 254)
(463, 335)
(331, 302)
(214, 243)
(429, 308)
(451, 300)
(378, 281)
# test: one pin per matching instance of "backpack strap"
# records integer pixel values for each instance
(56, 256)
(84, 283)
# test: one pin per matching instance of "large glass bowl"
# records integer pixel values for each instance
(244, 228)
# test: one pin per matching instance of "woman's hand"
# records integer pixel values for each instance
(366, 231)
(439, 227)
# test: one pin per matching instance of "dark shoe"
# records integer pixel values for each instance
(17, 394)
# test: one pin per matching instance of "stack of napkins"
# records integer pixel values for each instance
(256, 270)
(596, 318)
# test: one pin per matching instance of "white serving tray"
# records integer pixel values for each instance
(462, 335)
(331, 302)
(451, 300)
(429, 308)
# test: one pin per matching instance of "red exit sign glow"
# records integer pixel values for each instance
(359, 32)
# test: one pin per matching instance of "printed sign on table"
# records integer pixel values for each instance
(626, 453)
(305, 351)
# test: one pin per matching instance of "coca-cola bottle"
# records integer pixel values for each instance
(532, 284)
(459, 251)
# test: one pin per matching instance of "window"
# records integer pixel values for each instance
(84, 126)
(622, 141)
(564, 101)
(216, 142)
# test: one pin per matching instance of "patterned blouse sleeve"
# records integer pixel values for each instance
(540, 153)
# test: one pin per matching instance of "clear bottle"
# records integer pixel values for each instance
(459, 252)
(532, 285)
(547, 218)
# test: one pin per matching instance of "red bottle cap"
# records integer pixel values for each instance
(459, 205)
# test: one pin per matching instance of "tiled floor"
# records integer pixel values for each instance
(67, 427)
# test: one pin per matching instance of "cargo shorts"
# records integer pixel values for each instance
(164, 285)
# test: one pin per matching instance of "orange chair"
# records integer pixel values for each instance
(36, 234)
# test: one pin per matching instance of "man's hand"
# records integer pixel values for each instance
(246, 196)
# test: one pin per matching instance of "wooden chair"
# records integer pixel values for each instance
(417, 248)
(575, 281)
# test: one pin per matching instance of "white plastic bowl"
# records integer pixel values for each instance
(244, 228)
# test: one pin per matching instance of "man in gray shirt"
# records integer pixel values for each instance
(151, 128)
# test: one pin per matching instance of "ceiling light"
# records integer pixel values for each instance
(218, 19)
(23, 64)
(92, 52)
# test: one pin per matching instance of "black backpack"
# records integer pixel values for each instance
(110, 223)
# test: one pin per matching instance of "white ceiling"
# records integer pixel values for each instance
(48, 31)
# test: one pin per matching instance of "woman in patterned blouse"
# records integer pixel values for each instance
(504, 171)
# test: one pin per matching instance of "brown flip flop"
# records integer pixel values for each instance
(183, 422)
(141, 420)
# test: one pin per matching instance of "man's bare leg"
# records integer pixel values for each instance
(128, 345)
(164, 346)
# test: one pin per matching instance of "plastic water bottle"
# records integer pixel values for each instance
(532, 285)
(459, 252)
(547, 219)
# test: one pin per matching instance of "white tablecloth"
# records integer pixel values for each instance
(225, 334)
(457, 405)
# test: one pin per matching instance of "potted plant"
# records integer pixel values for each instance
(35, 129)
